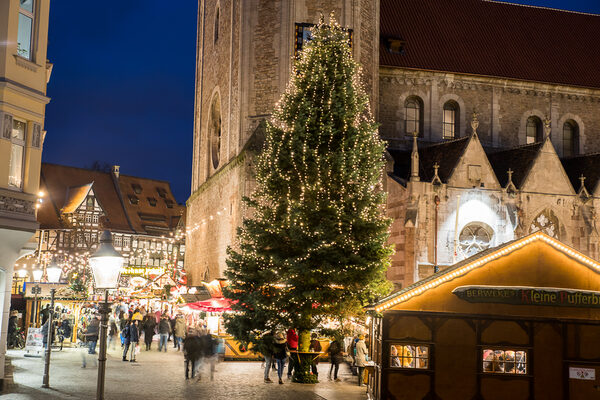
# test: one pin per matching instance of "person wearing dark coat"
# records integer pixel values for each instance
(148, 328)
(192, 352)
(337, 357)
(91, 335)
(164, 329)
(315, 347)
(132, 338)
(280, 349)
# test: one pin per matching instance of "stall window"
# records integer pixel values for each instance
(505, 361)
(409, 356)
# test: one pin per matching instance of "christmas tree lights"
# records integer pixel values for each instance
(315, 246)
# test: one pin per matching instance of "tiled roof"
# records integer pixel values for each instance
(75, 196)
(445, 154)
(492, 39)
(519, 159)
(587, 165)
(57, 181)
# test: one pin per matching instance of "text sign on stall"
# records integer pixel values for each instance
(529, 296)
(42, 289)
(586, 374)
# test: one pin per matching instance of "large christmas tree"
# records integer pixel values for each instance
(314, 247)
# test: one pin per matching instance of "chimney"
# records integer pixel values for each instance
(115, 171)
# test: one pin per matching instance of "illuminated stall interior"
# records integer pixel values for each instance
(518, 321)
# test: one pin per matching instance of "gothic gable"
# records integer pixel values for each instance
(547, 174)
(473, 168)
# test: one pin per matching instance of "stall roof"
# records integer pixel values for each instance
(477, 261)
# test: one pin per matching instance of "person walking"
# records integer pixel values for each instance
(192, 351)
(361, 357)
(280, 349)
(172, 331)
(65, 330)
(336, 356)
(91, 334)
(267, 351)
(292, 343)
(315, 347)
(179, 331)
(149, 327)
(164, 329)
(208, 348)
(132, 338)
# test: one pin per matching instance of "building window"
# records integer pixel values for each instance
(25, 34)
(413, 116)
(409, 356)
(304, 35)
(95, 218)
(118, 241)
(217, 25)
(534, 130)
(88, 218)
(15, 175)
(152, 201)
(570, 139)
(547, 222)
(126, 240)
(505, 361)
(450, 120)
(214, 131)
(133, 199)
(474, 237)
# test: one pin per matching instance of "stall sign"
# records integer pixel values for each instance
(529, 296)
(34, 344)
(42, 290)
(586, 374)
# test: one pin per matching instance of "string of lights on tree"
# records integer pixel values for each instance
(315, 247)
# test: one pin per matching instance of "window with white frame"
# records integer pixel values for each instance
(88, 218)
(26, 29)
(412, 356)
(505, 361)
(95, 218)
(17, 153)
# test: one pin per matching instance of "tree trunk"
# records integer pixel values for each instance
(303, 360)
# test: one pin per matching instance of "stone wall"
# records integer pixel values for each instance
(503, 106)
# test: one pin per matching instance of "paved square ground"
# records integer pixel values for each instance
(161, 376)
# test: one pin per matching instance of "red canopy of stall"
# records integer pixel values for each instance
(211, 305)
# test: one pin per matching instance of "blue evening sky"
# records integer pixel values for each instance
(122, 88)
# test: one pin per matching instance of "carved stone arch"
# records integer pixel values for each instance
(523, 123)
(462, 114)
(580, 132)
(214, 130)
(547, 221)
(424, 99)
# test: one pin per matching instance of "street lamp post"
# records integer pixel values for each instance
(54, 272)
(106, 265)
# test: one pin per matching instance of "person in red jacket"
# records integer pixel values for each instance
(292, 342)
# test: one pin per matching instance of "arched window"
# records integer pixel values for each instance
(474, 237)
(534, 130)
(413, 116)
(214, 131)
(450, 127)
(547, 222)
(217, 25)
(570, 138)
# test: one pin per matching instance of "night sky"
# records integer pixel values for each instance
(122, 87)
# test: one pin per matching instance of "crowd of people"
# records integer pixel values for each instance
(277, 349)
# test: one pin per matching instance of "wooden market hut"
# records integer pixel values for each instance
(520, 321)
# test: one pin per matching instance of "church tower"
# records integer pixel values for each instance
(244, 58)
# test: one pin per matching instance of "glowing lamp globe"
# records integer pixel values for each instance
(106, 263)
(53, 272)
(37, 275)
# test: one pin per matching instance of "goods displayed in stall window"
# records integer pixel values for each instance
(505, 361)
(409, 356)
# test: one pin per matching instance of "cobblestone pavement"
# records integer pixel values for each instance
(161, 376)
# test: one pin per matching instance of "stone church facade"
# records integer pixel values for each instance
(505, 128)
